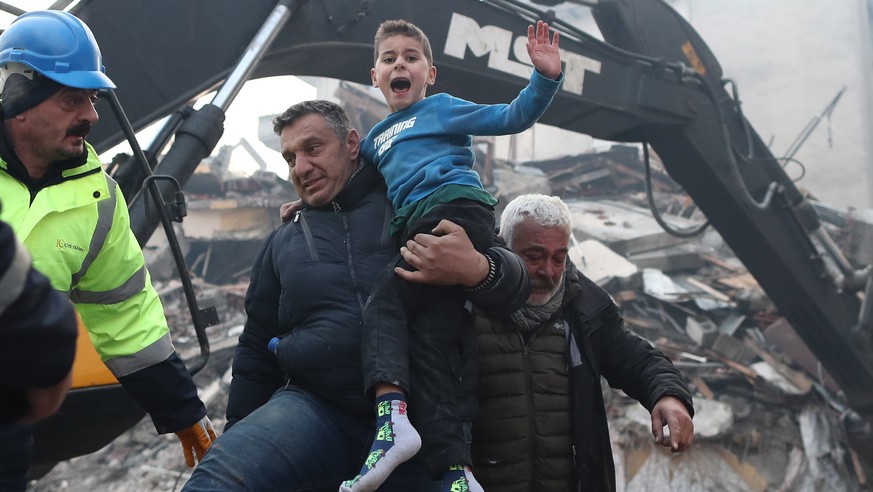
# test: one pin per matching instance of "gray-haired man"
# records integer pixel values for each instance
(542, 421)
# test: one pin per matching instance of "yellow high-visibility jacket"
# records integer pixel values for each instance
(77, 229)
(37, 329)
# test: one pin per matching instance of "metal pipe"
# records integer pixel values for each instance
(851, 279)
(254, 52)
(12, 9)
(865, 317)
(199, 133)
(178, 257)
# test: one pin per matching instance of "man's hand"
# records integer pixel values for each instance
(444, 257)
(196, 440)
(287, 210)
(44, 402)
(545, 55)
(671, 412)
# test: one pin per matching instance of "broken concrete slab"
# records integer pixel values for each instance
(733, 349)
(712, 418)
(823, 439)
(707, 469)
(662, 287)
(682, 289)
(598, 262)
(669, 259)
(702, 330)
(771, 375)
(626, 229)
(781, 335)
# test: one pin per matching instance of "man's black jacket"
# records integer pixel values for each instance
(309, 285)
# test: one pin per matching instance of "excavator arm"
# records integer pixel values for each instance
(478, 49)
(653, 80)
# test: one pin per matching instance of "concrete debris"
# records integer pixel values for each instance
(598, 262)
(626, 229)
(712, 418)
(823, 441)
(779, 334)
(772, 376)
(673, 258)
(702, 330)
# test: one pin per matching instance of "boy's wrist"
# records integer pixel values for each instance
(556, 76)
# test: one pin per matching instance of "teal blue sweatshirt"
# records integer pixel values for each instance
(429, 145)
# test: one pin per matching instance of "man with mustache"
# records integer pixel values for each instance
(74, 221)
(542, 421)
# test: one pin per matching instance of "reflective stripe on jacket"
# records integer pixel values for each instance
(78, 232)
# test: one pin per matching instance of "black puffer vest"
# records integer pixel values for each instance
(537, 431)
(525, 445)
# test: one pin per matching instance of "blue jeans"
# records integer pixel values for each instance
(297, 442)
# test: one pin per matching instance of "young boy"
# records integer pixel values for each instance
(424, 151)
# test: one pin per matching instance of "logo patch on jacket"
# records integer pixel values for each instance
(62, 245)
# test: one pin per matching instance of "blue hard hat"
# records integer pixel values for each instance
(57, 45)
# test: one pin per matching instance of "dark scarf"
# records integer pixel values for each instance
(528, 318)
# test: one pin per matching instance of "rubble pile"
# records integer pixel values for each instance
(768, 416)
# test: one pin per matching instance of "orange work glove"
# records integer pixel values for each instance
(196, 440)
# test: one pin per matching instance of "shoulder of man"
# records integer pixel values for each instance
(587, 299)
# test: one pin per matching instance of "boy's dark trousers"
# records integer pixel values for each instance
(415, 336)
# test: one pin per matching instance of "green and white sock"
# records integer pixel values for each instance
(396, 441)
(459, 478)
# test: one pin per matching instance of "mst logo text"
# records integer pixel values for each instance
(496, 42)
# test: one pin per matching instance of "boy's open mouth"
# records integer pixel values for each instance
(400, 85)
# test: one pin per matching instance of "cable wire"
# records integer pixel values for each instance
(686, 232)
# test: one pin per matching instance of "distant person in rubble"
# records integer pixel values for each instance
(298, 418)
(37, 345)
(542, 422)
(423, 150)
(73, 220)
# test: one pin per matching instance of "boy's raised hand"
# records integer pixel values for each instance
(545, 55)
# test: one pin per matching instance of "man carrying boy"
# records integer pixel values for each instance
(296, 416)
(423, 150)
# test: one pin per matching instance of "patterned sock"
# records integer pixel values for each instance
(459, 478)
(396, 441)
